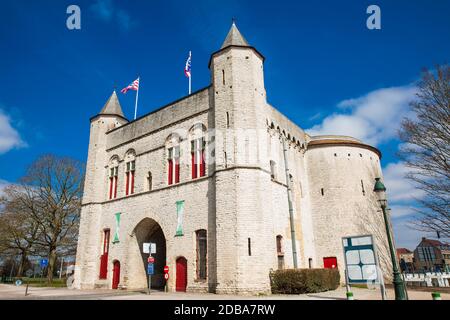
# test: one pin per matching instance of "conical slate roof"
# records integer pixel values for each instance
(112, 106)
(234, 38)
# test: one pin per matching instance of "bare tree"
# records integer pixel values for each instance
(18, 236)
(50, 194)
(426, 149)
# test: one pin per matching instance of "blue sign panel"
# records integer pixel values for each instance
(150, 269)
(44, 263)
(360, 260)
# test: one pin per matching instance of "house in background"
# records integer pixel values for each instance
(406, 260)
(432, 256)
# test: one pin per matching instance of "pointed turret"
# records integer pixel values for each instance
(234, 38)
(112, 106)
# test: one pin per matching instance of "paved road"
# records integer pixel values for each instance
(13, 292)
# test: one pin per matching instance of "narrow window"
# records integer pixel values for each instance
(201, 254)
(170, 166)
(149, 181)
(129, 185)
(273, 168)
(173, 165)
(321, 191)
(280, 252)
(362, 188)
(104, 256)
(113, 173)
(198, 157)
(177, 164)
(228, 120)
(249, 247)
(226, 160)
(223, 77)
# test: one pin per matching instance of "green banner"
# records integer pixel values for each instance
(180, 212)
(116, 234)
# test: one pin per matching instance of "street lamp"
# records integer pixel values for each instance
(380, 191)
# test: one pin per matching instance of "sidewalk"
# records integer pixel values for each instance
(13, 292)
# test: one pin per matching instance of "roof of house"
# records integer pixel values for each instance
(403, 251)
(434, 243)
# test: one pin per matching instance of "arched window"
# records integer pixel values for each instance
(113, 176)
(198, 144)
(201, 253)
(280, 252)
(173, 159)
(130, 166)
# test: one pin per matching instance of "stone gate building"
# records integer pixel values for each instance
(205, 179)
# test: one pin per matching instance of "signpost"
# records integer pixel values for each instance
(361, 263)
(44, 264)
(166, 277)
(150, 248)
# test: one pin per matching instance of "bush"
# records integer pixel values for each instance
(296, 281)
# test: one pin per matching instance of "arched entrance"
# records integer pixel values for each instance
(116, 274)
(181, 274)
(148, 230)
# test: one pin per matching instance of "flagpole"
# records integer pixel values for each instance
(190, 73)
(137, 95)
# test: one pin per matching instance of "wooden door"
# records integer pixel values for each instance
(116, 275)
(181, 274)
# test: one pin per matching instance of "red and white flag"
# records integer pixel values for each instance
(132, 86)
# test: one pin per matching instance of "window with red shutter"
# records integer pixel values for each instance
(170, 167)
(198, 158)
(113, 182)
(129, 185)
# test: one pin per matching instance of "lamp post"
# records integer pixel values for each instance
(380, 191)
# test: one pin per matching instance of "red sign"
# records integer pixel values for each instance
(166, 276)
(151, 259)
(166, 269)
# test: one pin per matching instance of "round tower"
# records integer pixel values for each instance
(341, 173)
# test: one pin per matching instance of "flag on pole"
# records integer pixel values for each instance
(132, 86)
(187, 68)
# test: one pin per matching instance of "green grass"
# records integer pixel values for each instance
(42, 282)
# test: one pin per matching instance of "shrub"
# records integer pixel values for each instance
(296, 281)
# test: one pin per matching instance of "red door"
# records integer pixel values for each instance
(181, 280)
(104, 256)
(330, 262)
(116, 275)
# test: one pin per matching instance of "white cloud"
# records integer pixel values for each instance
(9, 137)
(373, 118)
(398, 187)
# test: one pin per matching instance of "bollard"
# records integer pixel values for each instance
(26, 290)
(350, 296)
(436, 296)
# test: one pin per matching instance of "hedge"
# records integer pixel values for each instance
(296, 281)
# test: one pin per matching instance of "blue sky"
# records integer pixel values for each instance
(324, 69)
